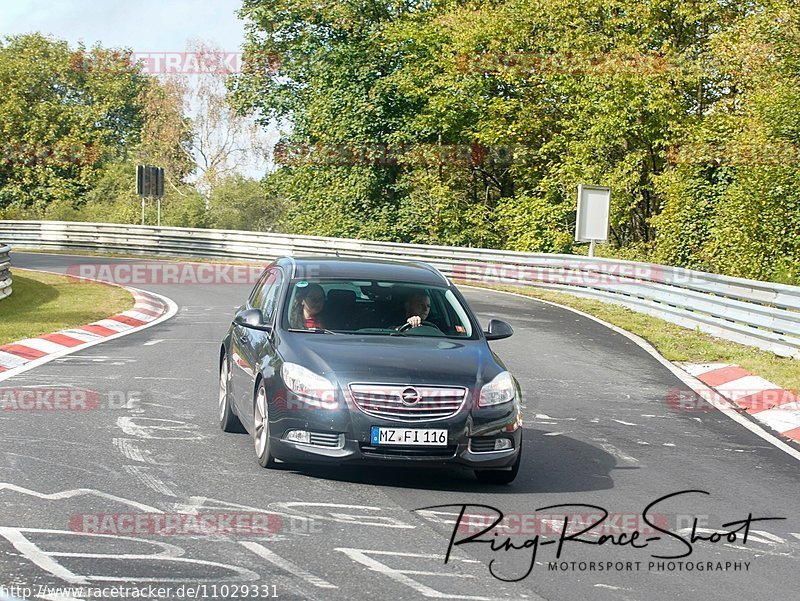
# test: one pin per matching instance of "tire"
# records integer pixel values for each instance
(500, 476)
(261, 438)
(228, 420)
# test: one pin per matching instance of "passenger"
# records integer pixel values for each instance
(417, 306)
(307, 309)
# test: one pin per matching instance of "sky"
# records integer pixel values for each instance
(151, 28)
(144, 25)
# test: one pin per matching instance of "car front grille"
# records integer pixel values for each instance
(401, 402)
(409, 452)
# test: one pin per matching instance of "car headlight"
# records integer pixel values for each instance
(500, 390)
(309, 387)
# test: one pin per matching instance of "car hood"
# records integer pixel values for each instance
(395, 359)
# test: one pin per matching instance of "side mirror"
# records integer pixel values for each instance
(252, 319)
(498, 330)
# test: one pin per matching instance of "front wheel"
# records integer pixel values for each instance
(261, 438)
(500, 476)
(227, 418)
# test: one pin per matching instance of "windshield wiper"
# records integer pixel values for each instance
(313, 330)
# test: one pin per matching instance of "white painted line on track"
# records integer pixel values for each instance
(287, 565)
(37, 557)
(692, 382)
(615, 452)
(363, 556)
(78, 492)
(613, 588)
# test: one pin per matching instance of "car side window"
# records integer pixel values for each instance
(269, 294)
(256, 294)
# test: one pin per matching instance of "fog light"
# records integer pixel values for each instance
(501, 444)
(299, 436)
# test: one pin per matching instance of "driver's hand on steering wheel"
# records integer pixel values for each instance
(414, 321)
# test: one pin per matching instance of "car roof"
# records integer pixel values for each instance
(325, 267)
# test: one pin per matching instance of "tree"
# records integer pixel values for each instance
(730, 198)
(239, 203)
(64, 115)
(553, 93)
(220, 140)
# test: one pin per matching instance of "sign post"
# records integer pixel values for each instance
(150, 184)
(594, 205)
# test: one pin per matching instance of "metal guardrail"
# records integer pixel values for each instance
(5, 272)
(761, 314)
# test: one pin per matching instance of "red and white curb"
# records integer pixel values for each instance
(767, 403)
(22, 355)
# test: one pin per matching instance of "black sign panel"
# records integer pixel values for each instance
(150, 181)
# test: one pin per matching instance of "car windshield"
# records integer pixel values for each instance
(379, 308)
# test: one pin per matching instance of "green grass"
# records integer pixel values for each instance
(42, 303)
(674, 342)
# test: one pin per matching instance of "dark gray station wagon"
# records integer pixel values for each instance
(336, 360)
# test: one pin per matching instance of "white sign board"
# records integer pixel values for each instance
(594, 203)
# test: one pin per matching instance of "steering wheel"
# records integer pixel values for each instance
(407, 326)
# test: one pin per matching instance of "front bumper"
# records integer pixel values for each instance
(355, 447)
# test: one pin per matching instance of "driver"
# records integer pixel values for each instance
(417, 306)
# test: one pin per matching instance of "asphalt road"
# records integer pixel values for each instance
(600, 430)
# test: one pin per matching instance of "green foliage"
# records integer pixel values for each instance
(459, 123)
(731, 203)
(239, 203)
(63, 116)
(554, 93)
(538, 224)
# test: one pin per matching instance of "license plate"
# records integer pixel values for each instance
(409, 436)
